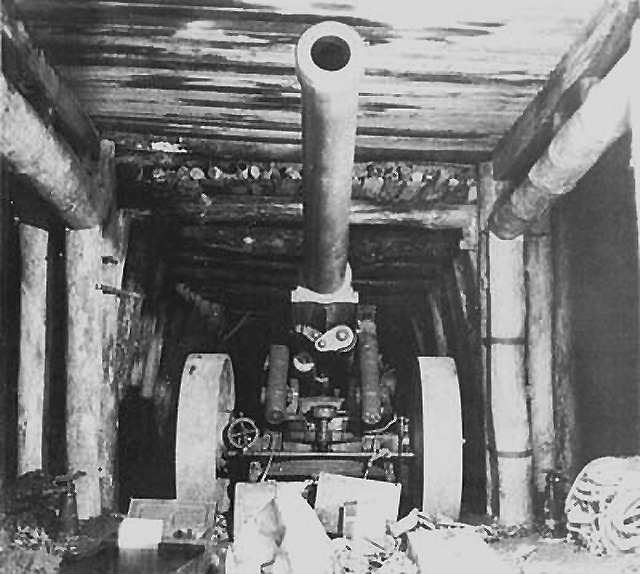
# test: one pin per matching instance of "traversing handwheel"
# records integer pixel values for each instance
(242, 433)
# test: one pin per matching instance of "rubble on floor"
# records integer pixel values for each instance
(278, 532)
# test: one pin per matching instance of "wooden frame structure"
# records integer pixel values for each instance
(79, 187)
(576, 138)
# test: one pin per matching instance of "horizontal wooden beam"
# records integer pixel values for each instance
(277, 210)
(54, 169)
(597, 124)
(250, 244)
(436, 147)
(245, 296)
(27, 69)
(289, 278)
(594, 52)
(265, 302)
(184, 262)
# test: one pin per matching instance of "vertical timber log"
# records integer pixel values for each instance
(115, 235)
(464, 302)
(509, 405)
(4, 224)
(31, 371)
(634, 116)
(539, 277)
(114, 242)
(564, 399)
(84, 366)
(487, 194)
(442, 349)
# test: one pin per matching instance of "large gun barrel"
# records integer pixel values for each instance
(328, 65)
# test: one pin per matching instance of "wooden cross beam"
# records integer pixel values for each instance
(573, 144)
(594, 52)
(27, 69)
(45, 134)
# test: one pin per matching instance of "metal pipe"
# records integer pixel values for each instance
(328, 65)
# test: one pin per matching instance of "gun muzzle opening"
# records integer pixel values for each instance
(330, 53)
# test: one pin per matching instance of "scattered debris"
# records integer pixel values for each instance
(454, 550)
(277, 532)
(34, 532)
(283, 536)
(373, 505)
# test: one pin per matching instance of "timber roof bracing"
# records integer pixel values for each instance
(201, 100)
(442, 82)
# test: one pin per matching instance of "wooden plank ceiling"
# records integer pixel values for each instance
(443, 80)
(201, 99)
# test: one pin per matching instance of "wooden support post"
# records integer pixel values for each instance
(563, 372)
(464, 304)
(508, 399)
(33, 321)
(634, 116)
(5, 223)
(438, 324)
(487, 194)
(539, 277)
(114, 247)
(84, 366)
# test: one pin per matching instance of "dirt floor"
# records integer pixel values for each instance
(536, 555)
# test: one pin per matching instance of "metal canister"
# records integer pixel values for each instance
(554, 525)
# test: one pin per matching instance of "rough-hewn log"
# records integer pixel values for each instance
(84, 366)
(5, 220)
(509, 403)
(594, 52)
(27, 69)
(31, 373)
(114, 249)
(634, 113)
(462, 290)
(366, 244)
(202, 269)
(435, 309)
(487, 194)
(154, 354)
(564, 380)
(539, 275)
(427, 146)
(56, 172)
(602, 118)
(196, 277)
(280, 210)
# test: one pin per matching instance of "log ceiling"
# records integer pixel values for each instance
(443, 82)
(201, 100)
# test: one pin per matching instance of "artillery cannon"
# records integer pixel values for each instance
(329, 403)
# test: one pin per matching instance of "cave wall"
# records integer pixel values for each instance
(599, 217)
